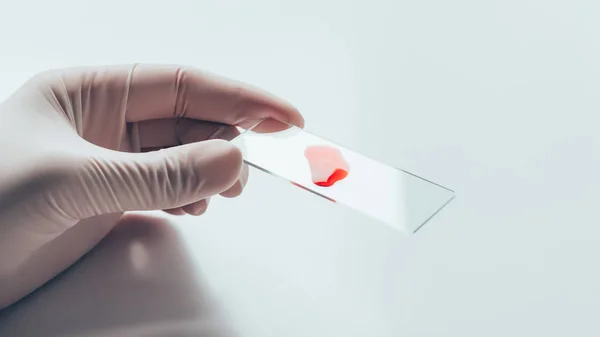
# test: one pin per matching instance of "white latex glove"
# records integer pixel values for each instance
(75, 145)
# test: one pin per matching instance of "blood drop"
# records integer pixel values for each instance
(327, 165)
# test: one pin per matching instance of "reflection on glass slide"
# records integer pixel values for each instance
(395, 197)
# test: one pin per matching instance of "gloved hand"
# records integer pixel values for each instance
(82, 146)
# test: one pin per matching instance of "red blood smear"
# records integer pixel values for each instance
(337, 175)
(327, 165)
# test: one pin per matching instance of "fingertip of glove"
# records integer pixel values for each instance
(227, 150)
(221, 163)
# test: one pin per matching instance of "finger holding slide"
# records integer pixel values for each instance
(239, 185)
(166, 91)
(164, 133)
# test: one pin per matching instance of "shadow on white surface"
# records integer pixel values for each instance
(137, 282)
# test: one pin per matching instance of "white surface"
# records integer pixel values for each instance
(498, 100)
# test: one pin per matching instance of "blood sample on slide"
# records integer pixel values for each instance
(340, 175)
(327, 165)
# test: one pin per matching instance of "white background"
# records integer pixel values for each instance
(497, 100)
